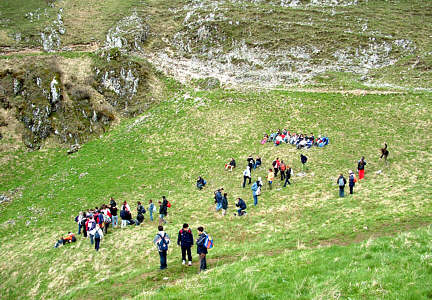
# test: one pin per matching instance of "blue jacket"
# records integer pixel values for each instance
(185, 238)
(254, 188)
(200, 244)
(218, 197)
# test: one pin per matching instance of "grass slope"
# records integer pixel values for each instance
(193, 133)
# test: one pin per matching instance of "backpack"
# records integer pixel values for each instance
(163, 245)
(274, 163)
(106, 219)
(76, 219)
(123, 214)
(169, 204)
(97, 235)
(142, 210)
(341, 181)
(208, 243)
(73, 239)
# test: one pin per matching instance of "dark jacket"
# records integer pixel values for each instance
(288, 173)
(361, 164)
(241, 204)
(200, 244)
(140, 217)
(163, 209)
(303, 159)
(232, 163)
(224, 203)
(113, 210)
(141, 209)
(185, 238)
(351, 180)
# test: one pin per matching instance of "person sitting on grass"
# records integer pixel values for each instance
(257, 162)
(69, 238)
(231, 165)
(201, 183)
(242, 207)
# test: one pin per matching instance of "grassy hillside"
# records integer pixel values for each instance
(194, 133)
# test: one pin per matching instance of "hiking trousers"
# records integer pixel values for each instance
(282, 175)
(163, 259)
(341, 191)
(203, 262)
(188, 251)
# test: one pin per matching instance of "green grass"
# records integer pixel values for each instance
(195, 133)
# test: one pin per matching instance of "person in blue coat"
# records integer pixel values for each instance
(185, 241)
(201, 248)
(242, 207)
(256, 191)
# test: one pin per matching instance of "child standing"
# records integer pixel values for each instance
(151, 208)
(270, 177)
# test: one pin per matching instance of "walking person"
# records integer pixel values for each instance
(246, 175)
(256, 191)
(360, 167)
(224, 204)
(288, 174)
(351, 181)
(282, 168)
(218, 199)
(201, 248)
(270, 178)
(151, 209)
(341, 183)
(162, 241)
(163, 210)
(185, 241)
(275, 165)
(98, 235)
(303, 160)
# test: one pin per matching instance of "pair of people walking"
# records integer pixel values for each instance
(185, 241)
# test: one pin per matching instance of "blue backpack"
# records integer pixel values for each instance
(163, 245)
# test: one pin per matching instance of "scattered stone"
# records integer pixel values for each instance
(10, 222)
(28, 223)
(301, 174)
(74, 148)
(4, 198)
(378, 172)
(82, 175)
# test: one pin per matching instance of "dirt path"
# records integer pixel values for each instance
(9, 51)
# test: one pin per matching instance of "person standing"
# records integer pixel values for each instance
(185, 241)
(351, 181)
(256, 191)
(246, 175)
(282, 168)
(341, 183)
(218, 199)
(287, 176)
(151, 209)
(360, 167)
(224, 204)
(162, 241)
(98, 235)
(303, 160)
(113, 210)
(163, 210)
(201, 248)
(251, 162)
(270, 178)
(275, 165)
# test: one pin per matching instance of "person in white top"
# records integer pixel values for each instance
(246, 175)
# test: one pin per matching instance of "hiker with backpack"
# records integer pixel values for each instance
(90, 226)
(98, 235)
(83, 224)
(246, 175)
(303, 160)
(282, 168)
(151, 209)
(288, 174)
(202, 248)
(78, 219)
(341, 183)
(242, 207)
(256, 191)
(351, 181)
(162, 241)
(140, 213)
(185, 241)
(360, 167)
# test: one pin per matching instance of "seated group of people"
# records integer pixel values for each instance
(299, 140)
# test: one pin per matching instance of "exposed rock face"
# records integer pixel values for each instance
(212, 41)
(128, 35)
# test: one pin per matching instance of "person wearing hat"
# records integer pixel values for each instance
(351, 181)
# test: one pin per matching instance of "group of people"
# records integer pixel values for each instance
(341, 181)
(299, 140)
(185, 240)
